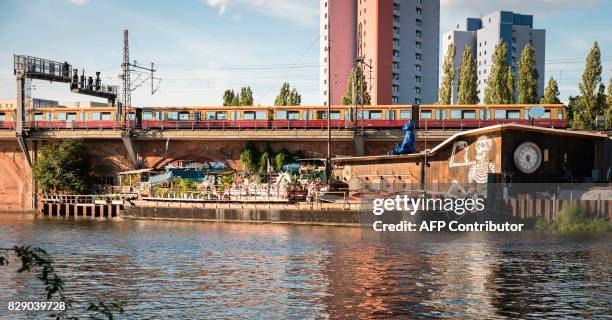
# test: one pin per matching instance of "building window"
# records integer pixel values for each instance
(418, 101)
(417, 56)
(396, 6)
(395, 53)
(395, 30)
(396, 18)
(395, 42)
(513, 40)
(419, 22)
(419, 45)
(417, 79)
(395, 76)
(395, 99)
(396, 65)
(417, 67)
(419, 11)
(417, 90)
(395, 88)
(419, 33)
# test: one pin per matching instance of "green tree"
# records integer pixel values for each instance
(246, 96)
(497, 85)
(510, 86)
(267, 157)
(63, 168)
(229, 97)
(551, 93)
(468, 86)
(527, 77)
(295, 99)
(280, 159)
(572, 106)
(249, 158)
(448, 76)
(590, 102)
(356, 77)
(282, 99)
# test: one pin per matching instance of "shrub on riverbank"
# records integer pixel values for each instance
(63, 168)
(573, 220)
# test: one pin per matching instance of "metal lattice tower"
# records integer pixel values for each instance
(127, 93)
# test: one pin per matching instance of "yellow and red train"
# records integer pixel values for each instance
(277, 117)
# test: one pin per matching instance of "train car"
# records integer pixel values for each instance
(7, 118)
(476, 116)
(206, 117)
(74, 118)
(380, 116)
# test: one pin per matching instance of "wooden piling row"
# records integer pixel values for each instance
(77, 210)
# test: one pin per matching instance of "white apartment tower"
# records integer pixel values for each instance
(483, 34)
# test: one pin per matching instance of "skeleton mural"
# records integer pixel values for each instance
(478, 168)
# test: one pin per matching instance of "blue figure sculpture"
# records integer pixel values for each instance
(406, 146)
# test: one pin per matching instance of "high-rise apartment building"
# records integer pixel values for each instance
(483, 34)
(398, 41)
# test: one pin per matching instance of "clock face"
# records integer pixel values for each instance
(528, 157)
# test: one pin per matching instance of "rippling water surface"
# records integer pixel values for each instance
(217, 270)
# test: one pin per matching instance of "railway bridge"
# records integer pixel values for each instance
(115, 150)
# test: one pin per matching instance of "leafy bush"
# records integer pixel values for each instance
(572, 220)
(63, 168)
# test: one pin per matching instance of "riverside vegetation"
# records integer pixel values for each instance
(572, 220)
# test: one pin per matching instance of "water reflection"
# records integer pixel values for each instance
(195, 270)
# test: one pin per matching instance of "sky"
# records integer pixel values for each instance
(202, 47)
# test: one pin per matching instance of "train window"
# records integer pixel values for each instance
(500, 114)
(61, 116)
(390, 115)
(221, 115)
(405, 114)
(443, 114)
(335, 115)
(293, 115)
(546, 114)
(2, 116)
(482, 114)
(211, 115)
(321, 115)
(514, 114)
(437, 114)
(281, 115)
(147, 115)
(172, 115)
(184, 115)
(468, 114)
(71, 116)
(426, 114)
(248, 115)
(95, 116)
(560, 114)
(375, 115)
(309, 115)
(455, 114)
(105, 116)
(233, 115)
(49, 116)
(260, 115)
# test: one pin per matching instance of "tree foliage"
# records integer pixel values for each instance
(590, 102)
(63, 168)
(496, 91)
(295, 98)
(510, 86)
(244, 97)
(609, 105)
(354, 90)
(528, 77)
(468, 79)
(448, 76)
(229, 97)
(250, 157)
(551, 93)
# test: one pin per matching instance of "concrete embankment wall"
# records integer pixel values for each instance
(253, 213)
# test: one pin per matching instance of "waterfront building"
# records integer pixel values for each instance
(484, 33)
(399, 44)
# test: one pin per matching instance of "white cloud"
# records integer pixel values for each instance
(78, 2)
(304, 12)
(221, 4)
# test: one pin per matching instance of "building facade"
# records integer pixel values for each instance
(483, 34)
(397, 40)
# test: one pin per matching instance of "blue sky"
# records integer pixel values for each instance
(202, 47)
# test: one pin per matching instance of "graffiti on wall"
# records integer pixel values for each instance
(478, 168)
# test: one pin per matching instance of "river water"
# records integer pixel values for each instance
(187, 270)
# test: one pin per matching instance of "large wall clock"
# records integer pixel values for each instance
(527, 157)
